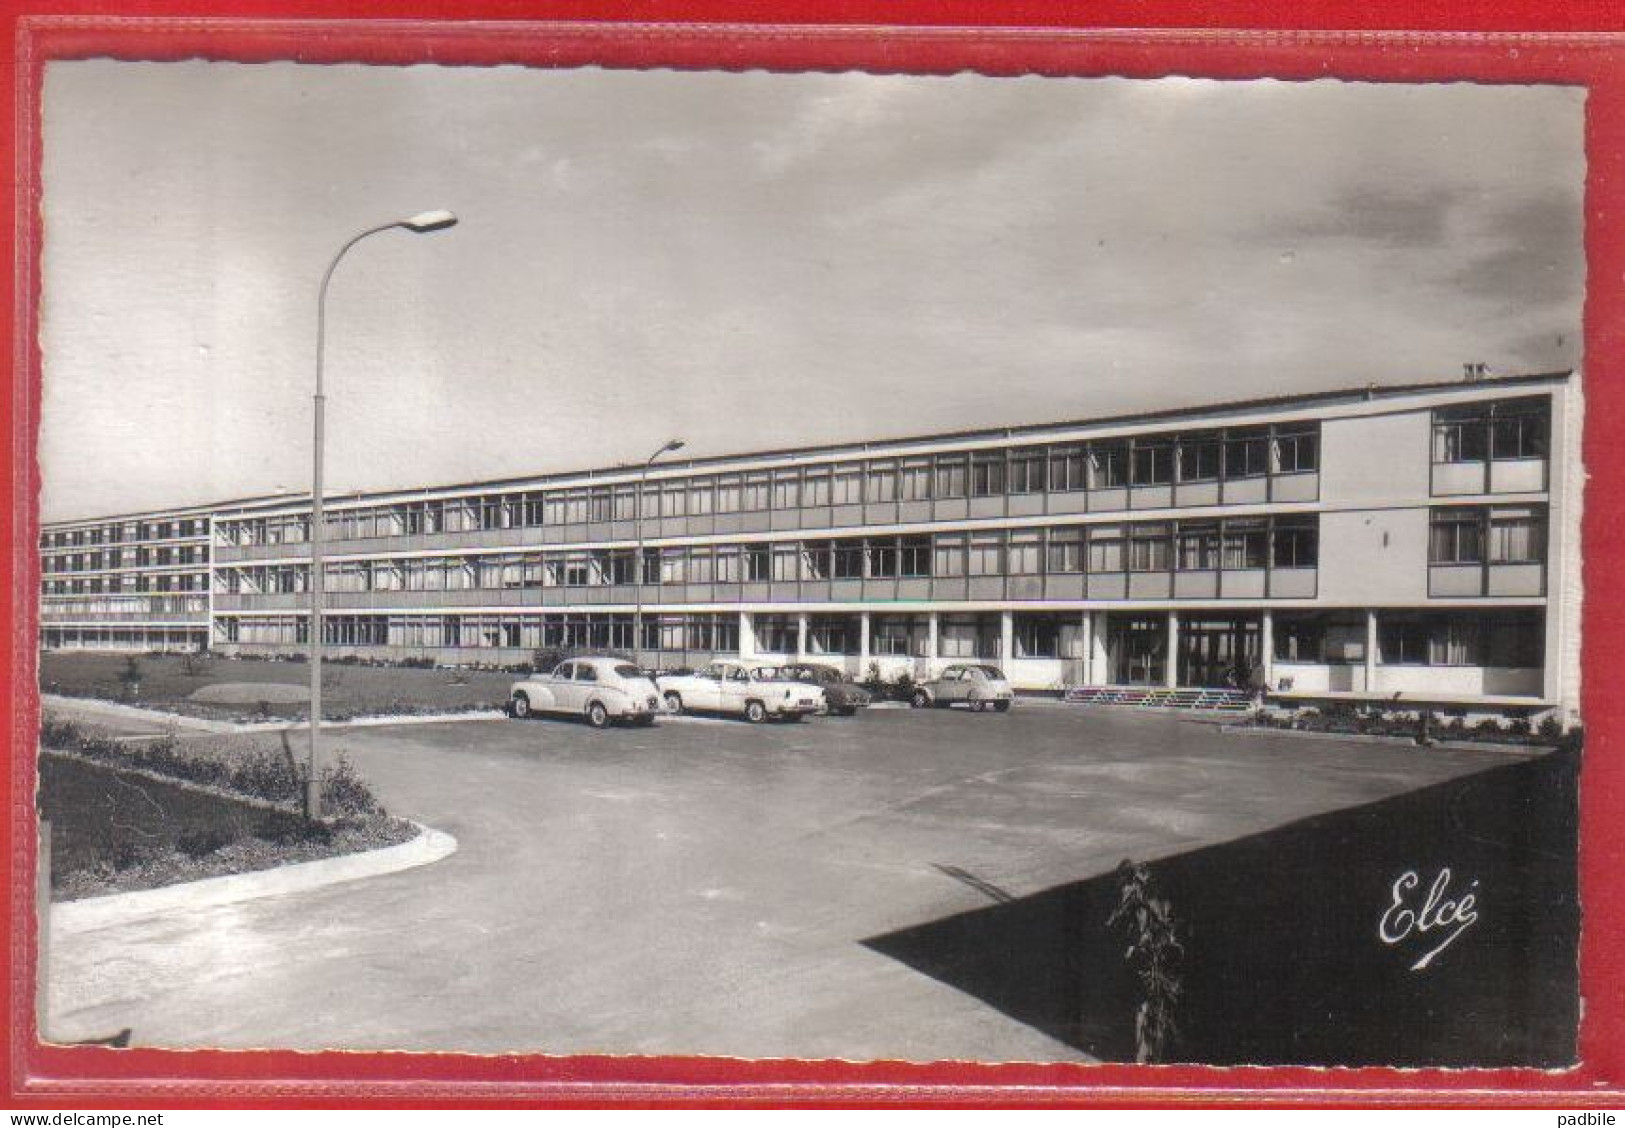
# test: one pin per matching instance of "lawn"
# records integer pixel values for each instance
(196, 686)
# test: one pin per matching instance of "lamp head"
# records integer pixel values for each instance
(675, 444)
(424, 222)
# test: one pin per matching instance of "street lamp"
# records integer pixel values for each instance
(421, 224)
(637, 561)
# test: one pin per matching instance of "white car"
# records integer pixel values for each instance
(600, 689)
(737, 687)
(980, 687)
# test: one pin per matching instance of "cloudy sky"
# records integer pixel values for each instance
(753, 260)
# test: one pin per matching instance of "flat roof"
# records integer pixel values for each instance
(1366, 393)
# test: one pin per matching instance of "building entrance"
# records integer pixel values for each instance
(1138, 648)
(1219, 653)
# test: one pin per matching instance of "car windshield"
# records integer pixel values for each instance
(991, 672)
(627, 670)
(773, 673)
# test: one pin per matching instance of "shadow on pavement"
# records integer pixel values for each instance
(1283, 959)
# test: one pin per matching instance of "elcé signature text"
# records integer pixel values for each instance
(1437, 913)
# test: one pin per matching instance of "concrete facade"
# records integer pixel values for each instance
(1419, 542)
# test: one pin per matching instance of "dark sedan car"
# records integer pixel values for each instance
(843, 695)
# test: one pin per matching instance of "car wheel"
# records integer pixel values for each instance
(520, 706)
(755, 712)
(597, 715)
(920, 700)
(977, 706)
(674, 702)
(1001, 706)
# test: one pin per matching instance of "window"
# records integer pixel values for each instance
(949, 553)
(699, 565)
(915, 481)
(1517, 536)
(601, 504)
(987, 475)
(753, 496)
(1319, 637)
(899, 635)
(1027, 471)
(985, 555)
(786, 489)
(701, 494)
(757, 563)
(1461, 434)
(673, 500)
(1519, 434)
(848, 559)
(1065, 550)
(786, 563)
(848, 488)
(1036, 636)
(673, 566)
(1246, 544)
(1198, 547)
(728, 494)
(1148, 548)
(1024, 556)
(1066, 469)
(1106, 552)
(1297, 450)
(882, 479)
(1108, 465)
(914, 557)
(1456, 536)
(1153, 462)
(950, 476)
(728, 567)
(1199, 458)
(883, 559)
(833, 634)
(777, 634)
(815, 487)
(816, 560)
(1297, 542)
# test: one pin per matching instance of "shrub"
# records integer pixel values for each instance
(417, 663)
(199, 842)
(1520, 726)
(345, 793)
(1156, 954)
(1489, 726)
(1551, 729)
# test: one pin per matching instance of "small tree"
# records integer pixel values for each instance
(130, 677)
(1155, 953)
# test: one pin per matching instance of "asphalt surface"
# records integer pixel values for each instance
(704, 887)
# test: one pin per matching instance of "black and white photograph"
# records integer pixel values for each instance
(833, 566)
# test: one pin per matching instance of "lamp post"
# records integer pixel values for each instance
(421, 224)
(637, 560)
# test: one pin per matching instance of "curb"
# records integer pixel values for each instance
(94, 705)
(1398, 741)
(93, 913)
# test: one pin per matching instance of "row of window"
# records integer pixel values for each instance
(93, 585)
(1478, 534)
(1505, 429)
(152, 606)
(125, 531)
(1508, 638)
(126, 558)
(1153, 461)
(1151, 546)
(711, 632)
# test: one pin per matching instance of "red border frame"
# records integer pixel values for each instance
(1552, 47)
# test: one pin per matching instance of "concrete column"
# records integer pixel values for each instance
(1100, 653)
(863, 645)
(1086, 648)
(1370, 651)
(1171, 662)
(1007, 636)
(747, 635)
(931, 637)
(801, 636)
(1266, 644)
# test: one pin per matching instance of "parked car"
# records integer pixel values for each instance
(980, 687)
(842, 695)
(736, 687)
(600, 689)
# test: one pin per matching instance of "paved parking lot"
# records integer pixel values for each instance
(705, 887)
